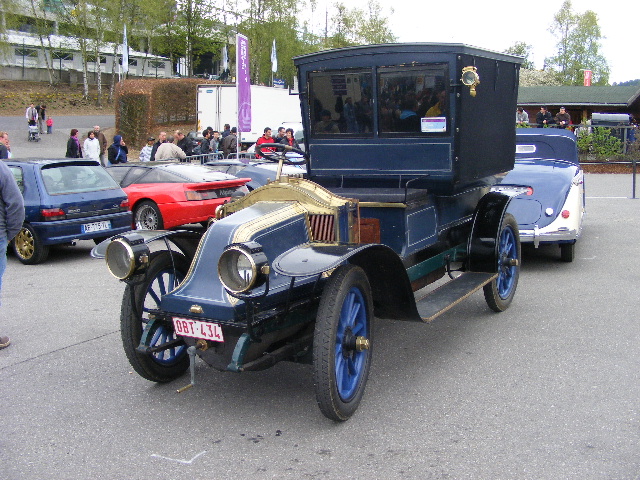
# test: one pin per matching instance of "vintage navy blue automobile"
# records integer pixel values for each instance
(299, 268)
(550, 205)
(66, 200)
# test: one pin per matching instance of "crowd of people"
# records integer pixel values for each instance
(544, 118)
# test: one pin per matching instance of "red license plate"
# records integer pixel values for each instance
(187, 327)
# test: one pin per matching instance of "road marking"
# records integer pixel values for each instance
(609, 198)
(184, 462)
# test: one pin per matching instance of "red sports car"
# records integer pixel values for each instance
(165, 195)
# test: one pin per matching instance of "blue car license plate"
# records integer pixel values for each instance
(96, 226)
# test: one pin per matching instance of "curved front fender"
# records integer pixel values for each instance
(313, 258)
(185, 240)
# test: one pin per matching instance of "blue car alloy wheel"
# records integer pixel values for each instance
(342, 342)
(139, 327)
(499, 293)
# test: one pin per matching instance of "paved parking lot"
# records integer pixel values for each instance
(548, 389)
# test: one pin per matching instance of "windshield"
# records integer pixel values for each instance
(65, 179)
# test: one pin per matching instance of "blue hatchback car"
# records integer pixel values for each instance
(66, 200)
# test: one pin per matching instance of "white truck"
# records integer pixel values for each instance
(270, 107)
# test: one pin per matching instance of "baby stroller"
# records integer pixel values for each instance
(34, 133)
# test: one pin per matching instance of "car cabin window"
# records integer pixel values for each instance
(18, 175)
(158, 175)
(341, 103)
(133, 175)
(195, 173)
(118, 173)
(65, 179)
(413, 100)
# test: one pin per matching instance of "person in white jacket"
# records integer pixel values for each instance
(91, 147)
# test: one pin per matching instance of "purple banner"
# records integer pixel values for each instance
(243, 84)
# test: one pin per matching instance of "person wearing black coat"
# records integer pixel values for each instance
(544, 118)
(73, 145)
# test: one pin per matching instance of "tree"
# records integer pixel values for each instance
(522, 49)
(354, 26)
(578, 46)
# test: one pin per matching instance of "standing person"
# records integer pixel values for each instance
(226, 131)
(73, 145)
(145, 153)
(103, 143)
(563, 119)
(279, 136)
(11, 212)
(41, 118)
(169, 151)
(522, 117)
(349, 114)
(184, 142)
(31, 114)
(215, 141)
(289, 139)
(4, 146)
(91, 146)
(543, 118)
(205, 145)
(230, 143)
(49, 125)
(265, 138)
(117, 151)
(162, 137)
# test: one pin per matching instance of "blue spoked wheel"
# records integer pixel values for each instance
(499, 293)
(137, 324)
(342, 342)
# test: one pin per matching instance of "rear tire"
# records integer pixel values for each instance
(138, 302)
(147, 216)
(567, 251)
(499, 292)
(28, 247)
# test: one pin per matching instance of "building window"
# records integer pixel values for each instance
(132, 62)
(154, 64)
(60, 55)
(92, 59)
(27, 52)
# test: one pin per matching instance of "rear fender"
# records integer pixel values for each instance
(392, 293)
(483, 241)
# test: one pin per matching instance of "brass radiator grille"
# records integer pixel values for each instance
(322, 228)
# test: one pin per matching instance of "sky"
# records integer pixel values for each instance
(498, 24)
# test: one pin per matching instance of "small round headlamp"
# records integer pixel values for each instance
(471, 79)
(127, 255)
(241, 267)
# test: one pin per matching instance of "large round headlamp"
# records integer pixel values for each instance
(127, 255)
(242, 266)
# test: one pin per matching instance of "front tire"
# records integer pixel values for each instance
(28, 246)
(342, 342)
(147, 216)
(499, 292)
(141, 300)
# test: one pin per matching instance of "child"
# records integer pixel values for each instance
(49, 124)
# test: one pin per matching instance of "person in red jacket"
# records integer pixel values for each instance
(266, 138)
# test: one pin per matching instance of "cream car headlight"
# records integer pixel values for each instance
(242, 266)
(127, 255)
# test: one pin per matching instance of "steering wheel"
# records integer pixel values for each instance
(280, 153)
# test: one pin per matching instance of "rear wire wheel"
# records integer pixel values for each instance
(499, 292)
(142, 300)
(342, 342)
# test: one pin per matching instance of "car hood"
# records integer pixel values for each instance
(550, 180)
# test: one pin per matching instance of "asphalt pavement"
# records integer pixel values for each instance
(548, 389)
(55, 144)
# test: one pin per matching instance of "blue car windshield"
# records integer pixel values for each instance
(65, 179)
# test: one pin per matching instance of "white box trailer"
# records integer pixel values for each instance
(270, 107)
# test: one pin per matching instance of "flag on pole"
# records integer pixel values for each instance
(225, 58)
(587, 78)
(125, 52)
(274, 58)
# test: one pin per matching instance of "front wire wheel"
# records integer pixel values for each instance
(139, 303)
(342, 342)
(499, 292)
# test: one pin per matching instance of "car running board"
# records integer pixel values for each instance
(451, 293)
